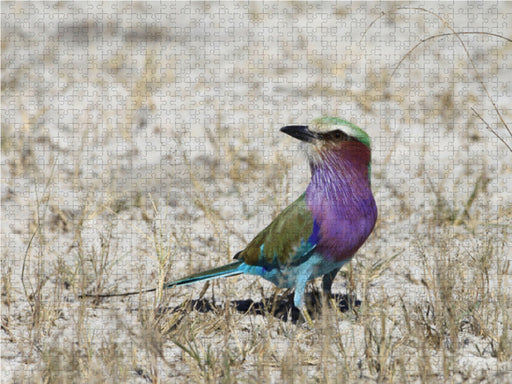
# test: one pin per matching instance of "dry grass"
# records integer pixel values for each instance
(428, 299)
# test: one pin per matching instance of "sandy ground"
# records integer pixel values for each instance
(133, 129)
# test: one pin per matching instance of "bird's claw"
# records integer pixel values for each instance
(305, 314)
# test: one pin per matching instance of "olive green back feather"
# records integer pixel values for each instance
(284, 239)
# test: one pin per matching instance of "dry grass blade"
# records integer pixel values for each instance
(423, 41)
(457, 35)
(492, 130)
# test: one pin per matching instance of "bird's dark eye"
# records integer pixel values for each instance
(334, 135)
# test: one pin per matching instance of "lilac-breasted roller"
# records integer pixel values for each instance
(321, 230)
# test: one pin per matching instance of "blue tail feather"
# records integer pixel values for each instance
(231, 269)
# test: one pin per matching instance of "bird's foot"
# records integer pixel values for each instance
(334, 305)
(330, 299)
(305, 314)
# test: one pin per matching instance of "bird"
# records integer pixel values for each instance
(323, 228)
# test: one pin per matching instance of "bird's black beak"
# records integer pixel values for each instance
(300, 132)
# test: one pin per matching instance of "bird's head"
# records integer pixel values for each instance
(329, 136)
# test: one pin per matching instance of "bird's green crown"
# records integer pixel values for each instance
(326, 124)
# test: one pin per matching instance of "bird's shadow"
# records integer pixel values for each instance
(281, 307)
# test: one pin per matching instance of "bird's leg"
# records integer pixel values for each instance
(327, 281)
(299, 302)
(327, 285)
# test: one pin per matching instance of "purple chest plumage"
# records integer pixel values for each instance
(341, 201)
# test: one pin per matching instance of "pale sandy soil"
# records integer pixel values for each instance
(142, 140)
